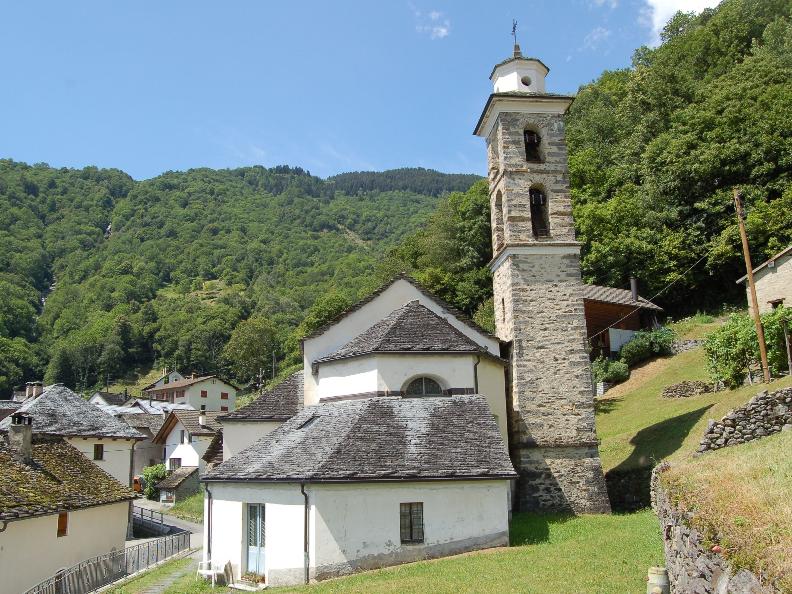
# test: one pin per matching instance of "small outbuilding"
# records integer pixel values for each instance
(773, 280)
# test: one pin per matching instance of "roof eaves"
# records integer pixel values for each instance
(780, 254)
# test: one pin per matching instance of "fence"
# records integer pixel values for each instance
(102, 570)
(147, 514)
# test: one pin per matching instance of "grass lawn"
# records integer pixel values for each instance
(637, 425)
(181, 571)
(190, 508)
(742, 497)
(549, 554)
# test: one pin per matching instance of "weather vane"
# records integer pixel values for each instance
(514, 30)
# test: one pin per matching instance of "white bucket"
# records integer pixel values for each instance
(658, 581)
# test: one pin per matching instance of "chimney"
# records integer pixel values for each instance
(20, 437)
(634, 288)
(33, 389)
(202, 419)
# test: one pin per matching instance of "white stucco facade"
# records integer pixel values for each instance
(237, 435)
(356, 322)
(211, 394)
(146, 453)
(524, 75)
(116, 459)
(31, 551)
(189, 449)
(354, 526)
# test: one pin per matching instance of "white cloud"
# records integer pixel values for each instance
(600, 3)
(595, 37)
(433, 23)
(657, 12)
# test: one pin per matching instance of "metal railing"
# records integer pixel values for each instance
(147, 514)
(102, 570)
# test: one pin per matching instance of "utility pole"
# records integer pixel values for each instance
(751, 287)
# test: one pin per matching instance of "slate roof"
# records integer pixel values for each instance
(144, 422)
(113, 398)
(459, 315)
(411, 328)
(59, 411)
(617, 296)
(177, 477)
(214, 452)
(160, 378)
(377, 439)
(60, 479)
(279, 404)
(189, 418)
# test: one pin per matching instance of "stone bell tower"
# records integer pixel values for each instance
(539, 293)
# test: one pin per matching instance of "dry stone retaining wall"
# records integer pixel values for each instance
(765, 414)
(692, 567)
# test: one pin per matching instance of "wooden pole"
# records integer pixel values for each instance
(751, 287)
(788, 349)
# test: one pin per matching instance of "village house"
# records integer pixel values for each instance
(102, 438)
(167, 377)
(207, 393)
(110, 398)
(773, 281)
(407, 410)
(146, 452)
(56, 507)
(184, 438)
(613, 316)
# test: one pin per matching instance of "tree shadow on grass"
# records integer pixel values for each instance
(531, 528)
(606, 405)
(660, 440)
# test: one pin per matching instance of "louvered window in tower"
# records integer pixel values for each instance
(532, 142)
(539, 219)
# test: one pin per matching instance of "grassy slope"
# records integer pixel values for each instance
(742, 500)
(637, 425)
(190, 508)
(559, 554)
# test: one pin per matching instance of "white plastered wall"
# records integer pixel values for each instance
(356, 322)
(145, 451)
(237, 435)
(117, 455)
(213, 402)
(191, 452)
(31, 551)
(349, 521)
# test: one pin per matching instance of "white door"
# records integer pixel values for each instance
(255, 538)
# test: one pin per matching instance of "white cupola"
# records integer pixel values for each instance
(519, 74)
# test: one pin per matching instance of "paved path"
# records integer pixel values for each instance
(196, 530)
(168, 580)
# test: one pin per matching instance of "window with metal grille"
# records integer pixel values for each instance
(411, 522)
(532, 142)
(423, 386)
(175, 463)
(63, 523)
(98, 451)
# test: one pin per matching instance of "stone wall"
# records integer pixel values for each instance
(628, 490)
(693, 568)
(765, 414)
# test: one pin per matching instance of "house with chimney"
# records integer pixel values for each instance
(208, 393)
(110, 398)
(105, 440)
(57, 508)
(184, 438)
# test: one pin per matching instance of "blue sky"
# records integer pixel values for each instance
(330, 86)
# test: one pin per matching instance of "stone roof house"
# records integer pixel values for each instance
(208, 393)
(110, 398)
(146, 452)
(101, 437)
(773, 281)
(56, 507)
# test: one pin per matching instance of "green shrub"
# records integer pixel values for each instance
(733, 348)
(152, 475)
(612, 372)
(647, 344)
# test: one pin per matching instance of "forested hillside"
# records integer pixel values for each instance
(169, 269)
(655, 152)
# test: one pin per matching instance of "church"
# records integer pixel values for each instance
(411, 432)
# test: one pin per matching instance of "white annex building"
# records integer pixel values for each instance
(411, 432)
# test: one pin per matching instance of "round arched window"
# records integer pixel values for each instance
(423, 386)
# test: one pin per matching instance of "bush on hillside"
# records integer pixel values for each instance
(611, 372)
(648, 344)
(734, 348)
(152, 475)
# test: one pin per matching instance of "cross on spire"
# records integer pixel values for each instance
(517, 52)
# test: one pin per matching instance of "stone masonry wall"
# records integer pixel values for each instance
(765, 414)
(552, 434)
(692, 567)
